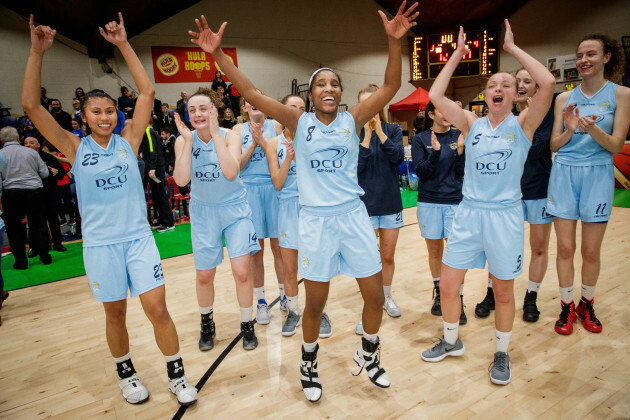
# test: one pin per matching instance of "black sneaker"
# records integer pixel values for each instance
(206, 337)
(32, 253)
(483, 308)
(462, 316)
(250, 342)
(530, 310)
(45, 259)
(436, 309)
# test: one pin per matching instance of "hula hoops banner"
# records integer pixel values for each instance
(186, 64)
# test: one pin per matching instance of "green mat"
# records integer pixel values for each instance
(70, 263)
(409, 198)
(622, 198)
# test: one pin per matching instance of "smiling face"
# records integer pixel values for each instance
(525, 85)
(31, 143)
(325, 93)
(75, 125)
(590, 58)
(100, 115)
(254, 113)
(439, 121)
(296, 102)
(199, 110)
(500, 92)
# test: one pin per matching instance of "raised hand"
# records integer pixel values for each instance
(42, 37)
(206, 39)
(402, 22)
(115, 31)
(508, 40)
(435, 144)
(462, 49)
(571, 119)
(184, 131)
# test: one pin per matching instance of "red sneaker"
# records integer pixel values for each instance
(564, 324)
(586, 312)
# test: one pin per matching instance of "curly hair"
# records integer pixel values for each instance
(615, 68)
(214, 97)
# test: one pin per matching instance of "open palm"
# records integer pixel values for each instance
(402, 22)
(206, 39)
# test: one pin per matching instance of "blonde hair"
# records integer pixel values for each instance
(242, 102)
(371, 88)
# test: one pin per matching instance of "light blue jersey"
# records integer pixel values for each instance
(257, 169)
(208, 184)
(327, 158)
(494, 163)
(109, 191)
(290, 188)
(582, 149)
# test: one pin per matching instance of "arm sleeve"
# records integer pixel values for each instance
(423, 162)
(364, 157)
(393, 146)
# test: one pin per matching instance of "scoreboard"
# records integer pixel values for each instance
(429, 53)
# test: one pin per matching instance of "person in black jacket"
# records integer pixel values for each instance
(151, 150)
(50, 198)
(380, 154)
(168, 149)
(438, 157)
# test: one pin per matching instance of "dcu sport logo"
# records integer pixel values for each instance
(258, 155)
(208, 172)
(112, 178)
(493, 163)
(329, 159)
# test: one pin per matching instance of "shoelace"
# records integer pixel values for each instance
(374, 358)
(500, 363)
(564, 315)
(591, 313)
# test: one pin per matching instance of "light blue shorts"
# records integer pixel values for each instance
(337, 239)
(263, 200)
(288, 213)
(535, 212)
(210, 224)
(581, 192)
(435, 220)
(113, 269)
(389, 221)
(492, 234)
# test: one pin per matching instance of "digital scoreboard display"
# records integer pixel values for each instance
(429, 53)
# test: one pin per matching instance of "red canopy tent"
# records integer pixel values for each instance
(417, 101)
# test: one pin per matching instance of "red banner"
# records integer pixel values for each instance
(186, 64)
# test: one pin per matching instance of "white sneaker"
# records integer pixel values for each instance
(132, 389)
(185, 392)
(359, 328)
(262, 312)
(391, 307)
(367, 357)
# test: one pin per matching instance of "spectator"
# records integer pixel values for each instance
(181, 106)
(44, 100)
(63, 118)
(64, 190)
(167, 120)
(50, 199)
(218, 81)
(224, 98)
(79, 94)
(125, 102)
(168, 149)
(151, 150)
(120, 124)
(23, 195)
(26, 128)
(229, 120)
(76, 127)
(156, 113)
(6, 120)
(235, 99)
(76, 112)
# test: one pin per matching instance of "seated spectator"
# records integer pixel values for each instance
(76, 112)
(44, 100)
(125, 102)
(62, 117)
(228, 120)
(168, 149)
(79, 94)
(76, 127)
(26, 128)
(6, 119)
(50, 198)
(218, 81)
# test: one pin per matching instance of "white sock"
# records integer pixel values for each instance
(172, 358)
(372, 338)
(532, 286)
(122, 358)
(259, 293)
(309, 347)
(566, 294)
(388, 291)
(205, 310)
(325, 306)
(281, 287)
(246, 314)
(588, 292)
(461, 290)
(450, 331)
(503, 340)
(490, 282)
(436, 279)
(292, 304)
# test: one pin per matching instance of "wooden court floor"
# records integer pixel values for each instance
(55, 361)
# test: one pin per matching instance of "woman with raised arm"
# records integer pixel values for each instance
(488, 223)
(380, 153)
(109, 188)
(263, 200)
(438, 157)
(333, 222)
(209, 158)
(281, 160)
(591, 123)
